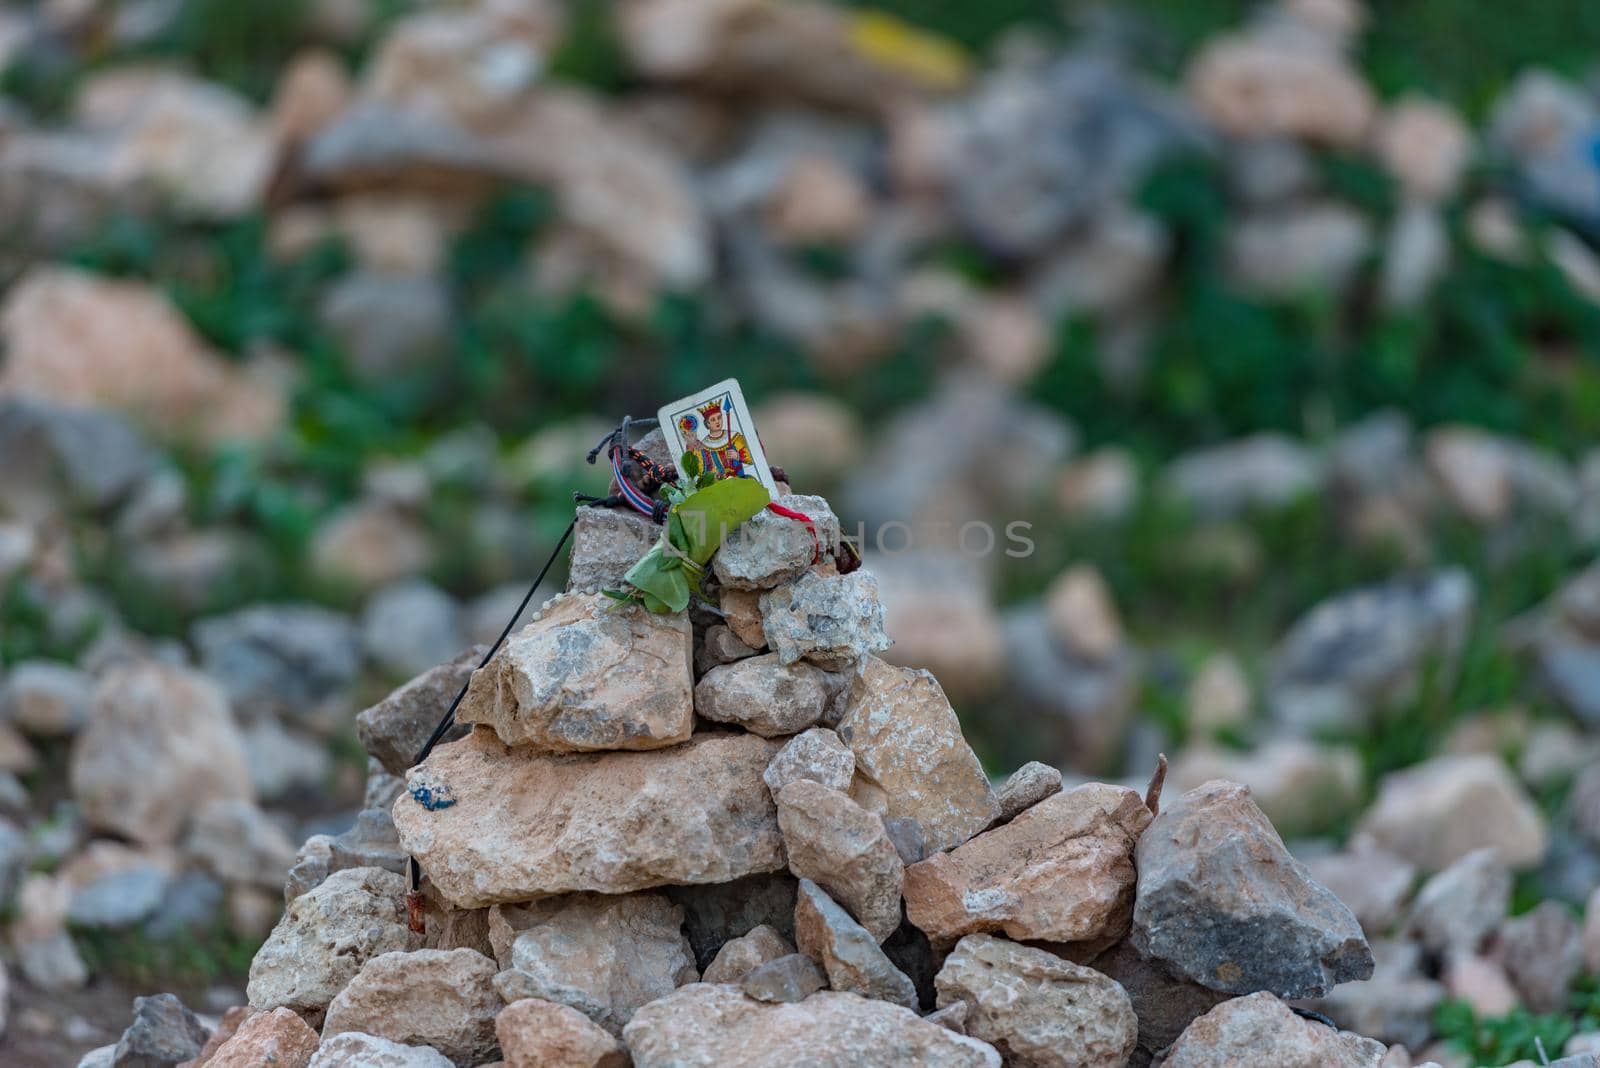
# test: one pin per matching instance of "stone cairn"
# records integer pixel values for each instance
(736, 836)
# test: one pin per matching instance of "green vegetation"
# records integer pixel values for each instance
(1519, 1034)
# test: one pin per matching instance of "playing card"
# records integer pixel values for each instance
(714, 424)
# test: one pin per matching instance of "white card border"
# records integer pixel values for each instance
(728, 385)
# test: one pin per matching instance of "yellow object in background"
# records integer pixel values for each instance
(890, 42)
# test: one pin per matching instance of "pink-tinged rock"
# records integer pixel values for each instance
(706, 1025)
(508, 825)
(739, 956)
(1260, 1029)
(1439, 811)
(589, 673)
(844, 849)
(818, 755)
(161, 744)
(911, 756)
(541, 1034)
(1036, 1009)
(279, 1038)
(429, 997)
(1061, 872)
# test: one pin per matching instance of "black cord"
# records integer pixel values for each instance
(449, 717)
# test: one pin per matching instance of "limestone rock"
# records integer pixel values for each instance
(1252, 86)
(394, 730)
(279, 659)
(1024, 788)
(1260, 1029)
(1457, 908)
(238, 843)
(1036, 1009)
(771, 549)
(1302, 786)
(589, 674)
(740, 956)
(816, 754)
(847, 952)
(741, 611)
(830, 620)
(542, 1034)
(706, 1025)
(411, 626)
(163, 1033)
(1081, 614)
(325, 937)
(1061, 872)
(426, 997)
(47, 698)
(370, 842)
(1543, 953)
(611, 822)
(602, 955)
(790, 978)
(908, 746)
(1373, 883)
(719, 645)
(763, 695)
(356, 1050)
(606, 542)
(161, 743)
(1441, 810)
(844, 849)
(1221, 902)
(279, 1038)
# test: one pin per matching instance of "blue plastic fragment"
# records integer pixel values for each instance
(432, 799)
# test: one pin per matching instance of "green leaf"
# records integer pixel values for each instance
(694, 528)
(690, 462)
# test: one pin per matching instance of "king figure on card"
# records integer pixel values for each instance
(722, 449)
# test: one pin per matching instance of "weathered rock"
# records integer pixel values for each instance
(1303, 787)
(1037, 1009)
(830, 620)
(1368, 648)
(939, 611)
(1442, 809)
(60, 456)
(1457, 908)
(715, 913)
(1219, 695)
(589, 674)
(236, 842)
(410, 627)
(741, 611)
(1373, 883)
(1481, 983)
(395, 729)
(771, 549)
(47, 698)
(707, 1025)
(370, 842)
(846, 950)
(279, 1038)
(763, 695)
(1425, 145)
(909, 748)
(739, 956)
(279, 659)
(46, 954)
(611, 822)
(1061, 872)
(163, 1033)
(368, 544)
(1221, 901)
(1163, 1003)
(817, 755)
(906, 834)
(356, 1050)
(1396, 1005)
(85, 341)
(1024, 788)
(1260, 1029)
(792, 977)
(114, 886)
(1251, 85)
(427, 997)
(1081, 614)
(1543, 954)
(606, 542)
(844, 849)
(602, 955)
(161, 743)
(325, 937)
(542, 1034)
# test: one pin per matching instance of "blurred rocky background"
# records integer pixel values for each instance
(1273, 330)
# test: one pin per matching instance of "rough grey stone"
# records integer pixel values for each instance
(1163, 1003)
(163, 1034)
(1024, 788)
(816, 754)
(86, 457)
(606, 542)
(1456, 909)
(790, 978)
(279, 659)
(847, 952)
(763, 695)
(1543, 954)
(371, 842)
(410, 627)
(1221, 902)
(771, 549)
(394, 730)
(830, 620)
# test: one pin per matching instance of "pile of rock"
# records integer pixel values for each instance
(708, 838)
